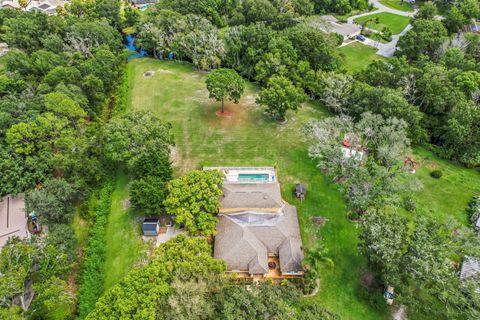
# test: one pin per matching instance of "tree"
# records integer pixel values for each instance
(425, 38)
(280, 60)
(427, 11)
(53, 202)
(189, 300)
(369, 178)
(194, 200)
(16, 262)
(225, 84)
(53, 300)
(454, 20)
(148, 193)
(383, 239)
(140, 293)
(315, 46)
(334, 90)
(390, 103)
(130, 136)
(461, 132)
(279, 96)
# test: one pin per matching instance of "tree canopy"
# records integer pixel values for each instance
(225, 84)
(194, 200)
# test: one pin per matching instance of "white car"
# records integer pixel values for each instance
(388, 295)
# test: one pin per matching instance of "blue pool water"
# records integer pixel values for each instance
(253, 177)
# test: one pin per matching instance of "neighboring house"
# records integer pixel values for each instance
(470, 267)
(347, 30)
(46, 6)
(13, 218)
(473, 27)
(142, 4)
(10, 4)
(257, 232)
(351, 151)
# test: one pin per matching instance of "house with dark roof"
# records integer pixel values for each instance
(258, 234)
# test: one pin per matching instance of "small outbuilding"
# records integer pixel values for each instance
(300, 191)
(151, 227)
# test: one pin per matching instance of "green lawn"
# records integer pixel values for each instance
(449, 195)
(178, 95)
(401, 5)
(358, 56)
(123, 242)
(394, 22)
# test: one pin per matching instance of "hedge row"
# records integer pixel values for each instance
(123, 92)
(93, 267)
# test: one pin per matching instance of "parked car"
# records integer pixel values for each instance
(388, 295)
(360, 38)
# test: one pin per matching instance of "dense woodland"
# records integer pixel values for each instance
(63, 132)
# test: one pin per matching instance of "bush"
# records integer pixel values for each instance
(93, 268)
(473, 209)
(436, 174)
(409, 204)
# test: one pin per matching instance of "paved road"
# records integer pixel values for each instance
(384, 49)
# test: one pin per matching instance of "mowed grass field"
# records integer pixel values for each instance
(177, 94)
(124, 247)
(448, 196)
(358, 56)
(402, 5)
(394, 22)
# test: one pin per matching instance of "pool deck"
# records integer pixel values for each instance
(232, 174)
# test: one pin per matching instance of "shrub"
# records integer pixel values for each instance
(409, 204)
(473, 209)
(93, 268)
(436, 174)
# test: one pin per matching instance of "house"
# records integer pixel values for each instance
(151, 227)
(10, 4)
(13, 218)
(258, 234)
(331, 24)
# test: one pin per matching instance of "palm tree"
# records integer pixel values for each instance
(316, 256)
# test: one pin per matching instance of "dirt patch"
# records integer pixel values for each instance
(126, 204)
(174, 156)
(319, 221)
(400, 313)
(148, 74)
(225, 113)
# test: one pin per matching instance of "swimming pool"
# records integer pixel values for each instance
(253, 177)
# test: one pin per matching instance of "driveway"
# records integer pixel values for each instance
(387, 49)
(384, 49)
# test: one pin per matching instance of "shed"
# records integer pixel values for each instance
(151, 227)
(300, 191)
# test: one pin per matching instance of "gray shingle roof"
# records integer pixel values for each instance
(244, 242)
(290, 257)
(248, 195)
(470, 267)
